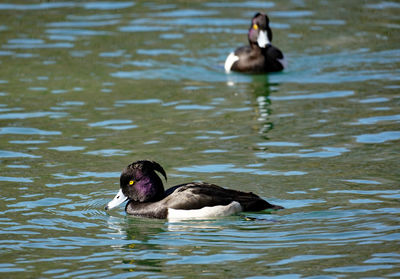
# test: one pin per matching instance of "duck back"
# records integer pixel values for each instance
(198, 195)
(256, 60)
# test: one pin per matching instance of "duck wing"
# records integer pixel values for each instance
(274, 59)
(197, 195)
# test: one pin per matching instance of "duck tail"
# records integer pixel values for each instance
(258, 205)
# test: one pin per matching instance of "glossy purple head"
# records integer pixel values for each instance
(139, 182)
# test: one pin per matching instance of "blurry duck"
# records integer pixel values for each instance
(259, 56)
(144, 190)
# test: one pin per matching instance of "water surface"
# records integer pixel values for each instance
(88, 87)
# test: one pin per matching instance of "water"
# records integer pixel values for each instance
(88, 87)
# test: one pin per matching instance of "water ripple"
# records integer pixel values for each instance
(326, 153)
(280, 143)
(357, 269)
(140, 28)
(138, 102)
(77, 32)
(109, 152)
(197, 21)
(231, 168)
(185, 13)
(114, 124)
(324, 95)
(365, 192)
(88, 174)
(68, 148)
(20, 115)
(57, 5)
(13, 154)
(244, 4)
(216, 258)
(45, 202)
(83, 23)
(72, 183)
(379, 137)
(175, 72)
(42, 45)
(194, 107)
(376, 119)
(28, 141)
(26, 131)
(16, 179)
(291, 14)
(374, 100)
(306, 258)
(363, 181)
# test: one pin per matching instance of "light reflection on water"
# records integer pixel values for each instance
(86, 88)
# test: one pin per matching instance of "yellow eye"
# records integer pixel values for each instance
(255, 26)
(131, 182)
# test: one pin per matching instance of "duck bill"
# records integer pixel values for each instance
(117, 200)
(262, 39)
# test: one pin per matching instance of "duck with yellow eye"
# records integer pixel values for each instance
(143, 188)
(260, 56)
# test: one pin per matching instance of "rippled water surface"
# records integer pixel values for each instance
(88, 87)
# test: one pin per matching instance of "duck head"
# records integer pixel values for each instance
(259, 33)
(139, 182)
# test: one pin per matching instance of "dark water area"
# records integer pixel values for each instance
(88, 87)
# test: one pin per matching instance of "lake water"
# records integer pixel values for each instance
(88, 87)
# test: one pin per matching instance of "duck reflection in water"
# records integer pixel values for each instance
(261, 89)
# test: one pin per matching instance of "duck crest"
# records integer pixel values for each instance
(147, 167)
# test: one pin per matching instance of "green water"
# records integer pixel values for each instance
(88, 87)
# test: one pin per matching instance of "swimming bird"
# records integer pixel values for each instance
(144, 190)
(260, 56)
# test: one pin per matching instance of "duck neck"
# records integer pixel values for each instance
(256, 49)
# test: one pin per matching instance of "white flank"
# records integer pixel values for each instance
(262, 39)
(232, 58)
(205, 212)
(118, 199)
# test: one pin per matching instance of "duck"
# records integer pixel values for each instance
(260, 56)
(143, 188)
